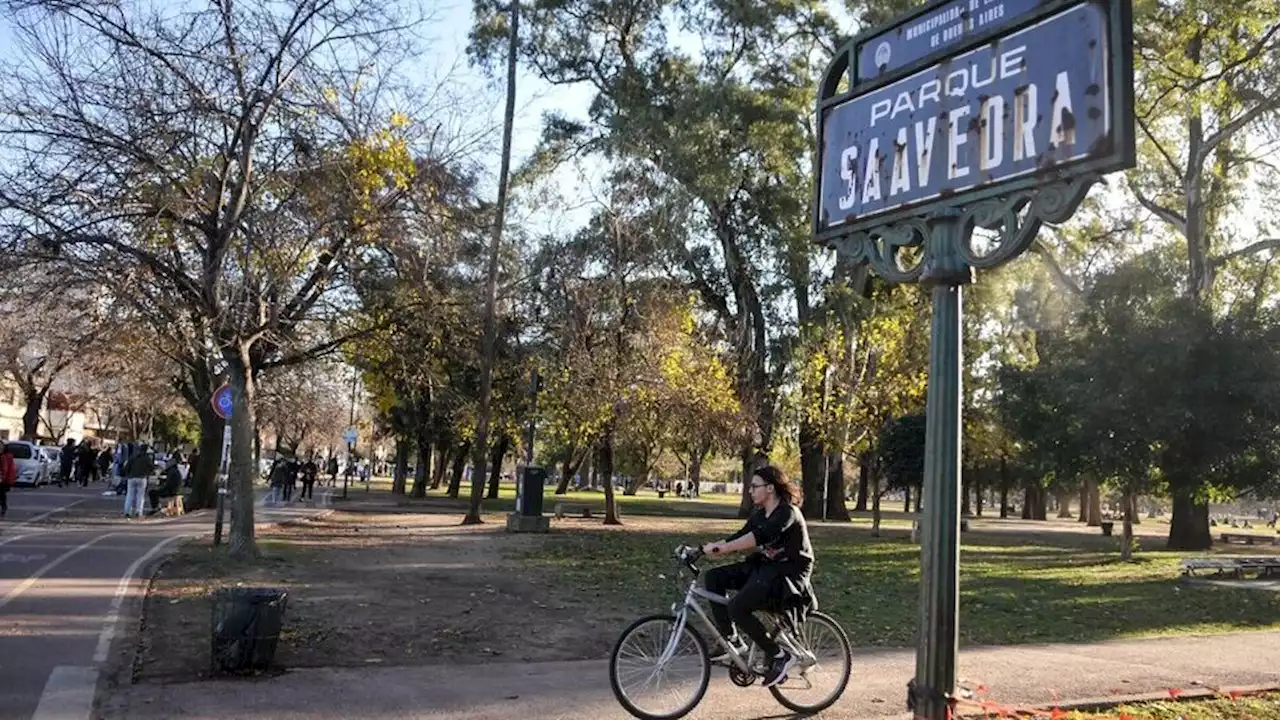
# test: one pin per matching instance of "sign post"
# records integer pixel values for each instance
(966, 114)
(222, 402)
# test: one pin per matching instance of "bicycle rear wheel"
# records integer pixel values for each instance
(657, 674)
(822, 669)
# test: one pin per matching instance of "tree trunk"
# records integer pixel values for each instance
(442, 463)
(31, 416)
(864, 477)
(204, 475)
(1064, 504)
(812, 470)
(1189, 525)
(906, 505)
(398, 477)
(588, 466)
(1004, 487)
(423, 469)
(836, 507)
(1095, 502)
(566, 473)
(633, 485)
(966, 507)
(1126, 538)
(242, 545)
(977, 485)
(1084, 501)
(875, 504)
(495, 463)
(751, 459)
(1133, 509)
(488, 352)
(459, 464)
(1033, 503)
(605, 466)
(695, 470)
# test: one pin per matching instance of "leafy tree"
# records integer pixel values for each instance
(1208, 108)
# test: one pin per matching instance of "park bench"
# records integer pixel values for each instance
(1236, 567)
(1249, 539)
(563, 509)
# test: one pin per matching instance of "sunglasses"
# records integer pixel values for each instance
(759, 486)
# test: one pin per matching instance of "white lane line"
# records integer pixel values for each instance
(42, 516)
(68, 694)
(35, 577)
(122, 589)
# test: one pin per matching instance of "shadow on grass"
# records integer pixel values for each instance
(1010, 593)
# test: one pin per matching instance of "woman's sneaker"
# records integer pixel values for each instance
(778, 668)
(724, 655)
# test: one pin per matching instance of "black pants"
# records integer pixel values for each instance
(755, 583)
(156, 497)
(288, 491)
(309, 489)
(4, 499)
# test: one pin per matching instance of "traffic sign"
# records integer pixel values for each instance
(222, 401)
(350, 435)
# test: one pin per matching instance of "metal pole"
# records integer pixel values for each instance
(217, 523)
(936, 657)
(351, 422)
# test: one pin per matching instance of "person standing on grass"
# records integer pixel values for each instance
(8, 477)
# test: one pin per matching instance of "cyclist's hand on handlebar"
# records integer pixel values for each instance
(710, 548)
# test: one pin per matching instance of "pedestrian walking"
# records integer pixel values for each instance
(8, 477)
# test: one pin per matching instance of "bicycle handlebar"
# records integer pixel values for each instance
(689, 555)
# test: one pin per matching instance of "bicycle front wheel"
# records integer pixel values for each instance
(657, 673)
(822, 668)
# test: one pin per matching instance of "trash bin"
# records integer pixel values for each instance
(246, 628)
(531, 485)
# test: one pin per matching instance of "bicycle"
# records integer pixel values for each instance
(674, 637)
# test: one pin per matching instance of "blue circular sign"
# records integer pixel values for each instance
(222, 400)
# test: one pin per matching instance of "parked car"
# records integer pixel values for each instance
(53, 458)
(33, 467)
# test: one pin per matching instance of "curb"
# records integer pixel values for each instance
(1099, 704)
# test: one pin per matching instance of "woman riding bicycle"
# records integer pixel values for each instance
(775, 577)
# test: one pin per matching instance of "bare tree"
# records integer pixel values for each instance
(223, 167)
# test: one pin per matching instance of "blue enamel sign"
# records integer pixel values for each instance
(1034, 100)
(223, 402)
(937, 28)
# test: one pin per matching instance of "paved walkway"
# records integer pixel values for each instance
(1018, 675)
(70, 571)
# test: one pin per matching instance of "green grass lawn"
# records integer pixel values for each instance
(1072, 589)
(644, 503)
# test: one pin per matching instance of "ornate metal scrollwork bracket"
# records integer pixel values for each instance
(938, 246)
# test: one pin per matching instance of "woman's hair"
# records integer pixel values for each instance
(787, 492)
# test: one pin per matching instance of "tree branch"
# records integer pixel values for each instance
(1173, 218)
(1268, 244)
(1055, 268)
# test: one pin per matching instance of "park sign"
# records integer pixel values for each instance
(970, 99)
(965, 114)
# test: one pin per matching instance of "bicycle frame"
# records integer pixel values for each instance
(681, 611)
